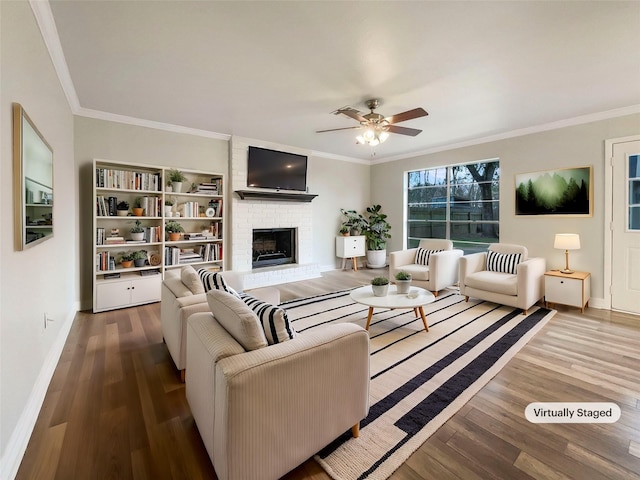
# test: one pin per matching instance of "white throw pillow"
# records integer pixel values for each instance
(274, 320)
(237, 319)
(191, 280)
(214, 281)
(422, 255)
(503, 262)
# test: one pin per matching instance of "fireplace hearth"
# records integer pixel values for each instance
(273, 246)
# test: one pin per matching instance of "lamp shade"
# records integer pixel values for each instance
(567, 241)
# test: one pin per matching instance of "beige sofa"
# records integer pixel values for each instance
(441, 272)
(520, 290)
(181, 299)
(263, 412)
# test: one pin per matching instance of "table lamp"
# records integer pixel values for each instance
(566, 242)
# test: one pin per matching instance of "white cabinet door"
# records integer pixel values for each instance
(146, 290)
(113, 294)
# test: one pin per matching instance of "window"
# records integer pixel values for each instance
(458, 202)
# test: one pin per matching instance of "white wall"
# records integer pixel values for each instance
(42, 278)
(574, 146)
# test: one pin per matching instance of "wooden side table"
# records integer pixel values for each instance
(572, 289)
(350, 247)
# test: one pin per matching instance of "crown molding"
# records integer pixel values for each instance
(569, 122)
(47, 25)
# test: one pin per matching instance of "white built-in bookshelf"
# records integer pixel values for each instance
(198, 207)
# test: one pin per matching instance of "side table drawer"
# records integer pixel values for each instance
(573, 289)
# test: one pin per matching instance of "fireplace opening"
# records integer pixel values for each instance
(273, 246)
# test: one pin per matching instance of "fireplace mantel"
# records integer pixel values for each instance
(281, 196)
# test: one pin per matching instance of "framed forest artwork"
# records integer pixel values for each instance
(567, 191)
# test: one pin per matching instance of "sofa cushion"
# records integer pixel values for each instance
(418, 272)
(214, 281)
(191, 280)
(501, 262)
(237, 319)
(423, 254)
(497, 282)
(274, 320)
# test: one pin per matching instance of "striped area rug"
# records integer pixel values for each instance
(419, 379)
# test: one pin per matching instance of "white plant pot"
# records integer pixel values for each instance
(137, 236)
(177, 186)
(380, 290)
(403, 286)
(376, 258)
(122, 213)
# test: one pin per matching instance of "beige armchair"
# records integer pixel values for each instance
(263, 412)
(441, 270)
(182, 295)
(522, 289)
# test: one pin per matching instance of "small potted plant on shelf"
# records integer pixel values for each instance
(126, 260)
(137, 231)
(138, 211)
(173, 229)
(139, 258)
(403, 282)
(122, 209)
(354, 221)
(176, 177)
(168, 207)
(344, 231)
(380, 286)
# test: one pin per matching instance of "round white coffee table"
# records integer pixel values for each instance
(364, 295)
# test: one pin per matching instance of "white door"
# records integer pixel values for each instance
(625, 227)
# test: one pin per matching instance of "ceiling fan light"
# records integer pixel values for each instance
(383, 136)
(369, 134)
(360, 140)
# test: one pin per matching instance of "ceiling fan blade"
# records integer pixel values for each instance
(404, 130)
(336, 129)
(408, 115)
(353, 114)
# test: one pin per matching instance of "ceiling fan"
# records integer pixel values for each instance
(376, 127)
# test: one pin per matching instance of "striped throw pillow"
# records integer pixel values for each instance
(274, 320)
(214, 281)
(503, 262)
(422, 255)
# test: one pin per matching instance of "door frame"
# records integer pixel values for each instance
(608, 213)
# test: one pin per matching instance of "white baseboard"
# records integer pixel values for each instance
(20, 436)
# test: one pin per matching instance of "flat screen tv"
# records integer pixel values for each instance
(276, 170)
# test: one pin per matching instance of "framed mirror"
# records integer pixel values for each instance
(32, 182)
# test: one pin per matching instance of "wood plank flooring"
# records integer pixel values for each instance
(116, 408)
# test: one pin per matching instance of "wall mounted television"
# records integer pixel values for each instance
(276, 170)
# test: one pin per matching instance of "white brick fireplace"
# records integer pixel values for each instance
(250, 214)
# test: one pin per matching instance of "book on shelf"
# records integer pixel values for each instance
(113, 240)
(127, 179)
(147, 273)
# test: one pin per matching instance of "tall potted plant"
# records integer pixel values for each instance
(176, 177)
(377, 233)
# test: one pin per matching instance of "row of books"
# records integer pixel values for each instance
(189, 209)
(202, 253)
(128, 180)
(105, 262)
(151, 234)
(108, 206)
(210, 188)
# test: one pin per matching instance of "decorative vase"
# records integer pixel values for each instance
(177, 186)
(168, 209)
(403, 286)
(376, 258)
(380, 290)
(122, 213)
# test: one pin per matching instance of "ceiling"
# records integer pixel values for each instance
(275, 71)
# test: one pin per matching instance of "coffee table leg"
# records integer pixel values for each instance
(369, 318)
(424, 319)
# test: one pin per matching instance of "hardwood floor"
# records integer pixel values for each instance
(116, 408)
